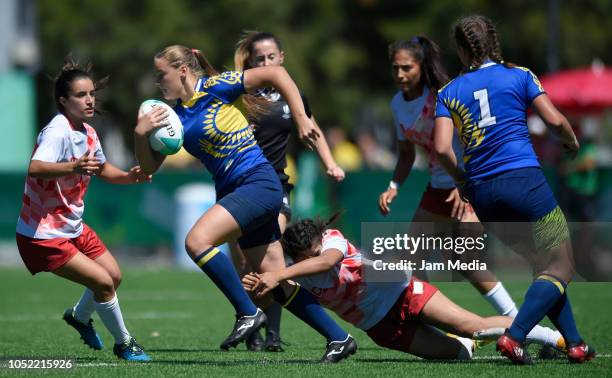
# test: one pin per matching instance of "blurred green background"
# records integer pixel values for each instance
(335, 50)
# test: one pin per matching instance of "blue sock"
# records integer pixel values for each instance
(562, 317)
(541, 296)
(221, 271)
(303, 305)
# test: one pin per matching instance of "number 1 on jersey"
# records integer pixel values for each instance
(485, 112)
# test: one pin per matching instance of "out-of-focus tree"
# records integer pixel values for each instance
(336, 50)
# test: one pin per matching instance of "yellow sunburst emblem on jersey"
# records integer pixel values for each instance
(470, 134)
(225, 130)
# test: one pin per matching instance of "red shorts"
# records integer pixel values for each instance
(46, 255)
(434, 201)
(396, 330)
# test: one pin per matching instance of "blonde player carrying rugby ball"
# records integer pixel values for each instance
(51, 235)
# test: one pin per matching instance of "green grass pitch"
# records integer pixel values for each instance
(180, 318)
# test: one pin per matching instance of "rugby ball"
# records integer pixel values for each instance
(167, 140)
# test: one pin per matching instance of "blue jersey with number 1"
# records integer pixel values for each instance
(489, 106)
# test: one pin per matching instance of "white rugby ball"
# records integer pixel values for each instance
(167, 140)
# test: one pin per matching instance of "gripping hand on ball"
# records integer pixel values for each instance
(154, 119)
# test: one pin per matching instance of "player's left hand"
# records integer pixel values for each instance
(336, 173)
(307, 131)
(137, 176)
(459, 205)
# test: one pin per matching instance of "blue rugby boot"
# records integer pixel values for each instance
(88, 334)
(130, 351)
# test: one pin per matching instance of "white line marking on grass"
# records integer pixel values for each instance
(134, 315)
(95, 364)
(485, 358)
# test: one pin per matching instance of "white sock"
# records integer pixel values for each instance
(467, 347)
(543, 336)
(110, 313)
(84, 307)
(501, 301)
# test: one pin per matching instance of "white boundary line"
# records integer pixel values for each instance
(134, 315)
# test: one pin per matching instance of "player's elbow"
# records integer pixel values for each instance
(36, 170)
(554, 120)
(441, 149)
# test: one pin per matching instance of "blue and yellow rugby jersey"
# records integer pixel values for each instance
(216, 132)
(488, 107)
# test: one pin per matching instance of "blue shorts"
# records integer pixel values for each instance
(518, 195)
(255, 201)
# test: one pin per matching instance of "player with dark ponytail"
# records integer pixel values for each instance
(418, 72)
(51, 234)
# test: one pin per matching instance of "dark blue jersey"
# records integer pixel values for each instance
(216, 131)
(488, 107)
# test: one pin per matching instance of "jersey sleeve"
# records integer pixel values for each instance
(398, 128)
(50, 145)
(98, 153)
(227, 86)
(441, 108)
(533, 87)
(333, 239)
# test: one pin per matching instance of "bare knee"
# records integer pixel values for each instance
(116, 277)
(196, 244)
(103, 288)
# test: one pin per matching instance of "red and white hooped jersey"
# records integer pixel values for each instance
(344, 289)
(53, 208)
(414, 122)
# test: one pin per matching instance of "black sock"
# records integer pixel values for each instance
(273, 314)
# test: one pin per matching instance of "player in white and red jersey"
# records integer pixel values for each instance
(397, 315)
(51, 235)
(418, 73)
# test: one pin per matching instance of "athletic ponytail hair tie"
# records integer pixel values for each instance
(415, 40)
(194, 51)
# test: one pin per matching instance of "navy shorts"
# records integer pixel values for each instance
(255, 201)
(519, 195)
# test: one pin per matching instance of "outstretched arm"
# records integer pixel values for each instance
(331, 167)
(262, 283)
(114, 175)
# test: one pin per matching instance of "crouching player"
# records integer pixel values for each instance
(396, 315)
(51, 235)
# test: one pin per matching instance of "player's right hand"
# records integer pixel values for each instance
(157, 117)
(87, 165)
(250, 281)
(572, 148)
(385, 200)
